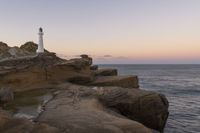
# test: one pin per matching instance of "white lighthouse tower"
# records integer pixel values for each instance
(40, 43)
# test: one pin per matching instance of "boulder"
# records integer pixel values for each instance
(121, 81)
(79, 110)
(106, 72)
(148, 108)
(94, 67)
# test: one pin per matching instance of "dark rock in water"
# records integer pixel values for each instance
(121, 81)
(94, 67)
(77, 109)
(106, 72)
(6, 95)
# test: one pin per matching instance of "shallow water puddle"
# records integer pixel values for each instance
(29, 104)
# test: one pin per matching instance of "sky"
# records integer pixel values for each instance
(110, 31)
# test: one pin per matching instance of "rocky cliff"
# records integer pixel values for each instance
(86, 100)
(27, 49)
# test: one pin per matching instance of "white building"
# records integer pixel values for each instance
(40, 43)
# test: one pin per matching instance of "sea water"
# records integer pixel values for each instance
(179, 83)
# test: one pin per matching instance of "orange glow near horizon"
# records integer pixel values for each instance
(135, 30)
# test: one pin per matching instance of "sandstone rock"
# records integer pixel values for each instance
(6, 95)
(94, 67)
(3, 46)
(17, 52)
(106, 72)
(17, 125)
(79, 63)
(12, 52)
(84, 56)
(41, 71)
(4, 118)
(78, 110)
(81, 79)
(30, 47)
(116, 108)
(148, 108)
(44, 128)
(8, 124)
(121, 81)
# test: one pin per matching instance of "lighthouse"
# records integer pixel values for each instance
(40, 42)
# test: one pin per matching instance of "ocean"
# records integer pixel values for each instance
(179, 83)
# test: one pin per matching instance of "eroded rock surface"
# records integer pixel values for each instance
(105, 109)
(8, 124)
(77, 109)
(105, 72)
(121, 81)
(96, 107)
(148, 108)
(41, 71)
(7, 52)
(31, 47)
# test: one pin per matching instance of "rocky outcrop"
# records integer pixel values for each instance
(10, 52)
(106, 72)
(81, 79)
(77, 109)
(27, 49)
(41, 71)
(148, 108)
(121, 81)
(87, 58)
(3, 47)
(31, 47)
(81, 109)
(106, 103)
